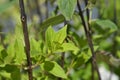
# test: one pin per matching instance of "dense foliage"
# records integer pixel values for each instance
(61, 48)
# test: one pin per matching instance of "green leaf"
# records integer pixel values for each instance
(56, 46)
(55, 39)
(16, 75)
(53, 68)
(14, 70)
(67, 7)
(11, 53)
(61, 35)
(105, 25)
(5, 74)
(52, 21)
(1, 48)
(9, 68)
(3, 55)
(19, 51)
(79, 40)
(49, 37)
(8, 55)
(11, 50)
(35, 48)
(68, 47)
(82, 58)
(95, 49)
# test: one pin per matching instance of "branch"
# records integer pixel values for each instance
(26, 38)
(88, 14)
(88, 17)
(90, 43)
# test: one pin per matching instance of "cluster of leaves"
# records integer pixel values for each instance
(70, 40)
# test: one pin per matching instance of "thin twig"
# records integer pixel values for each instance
(88, 35)
(88, 17)
(87, 10)
(88, 14)
(26, 38)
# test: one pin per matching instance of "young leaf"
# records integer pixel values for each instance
(11, 49)
(61, 35)
(9, 53)
(35, 48)
(53, 68)
(68, 47)
(19, 51)
(49, 37)
(67, 7)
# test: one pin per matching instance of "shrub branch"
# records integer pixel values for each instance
(26, 38)
(90, 43)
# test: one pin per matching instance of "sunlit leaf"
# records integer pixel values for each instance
(68, 47)
(35, 48)
(55, 39)
(49, 36)
(19, 51)
(53, 68)
(5, 74)
(61, 35)
(11, 53)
